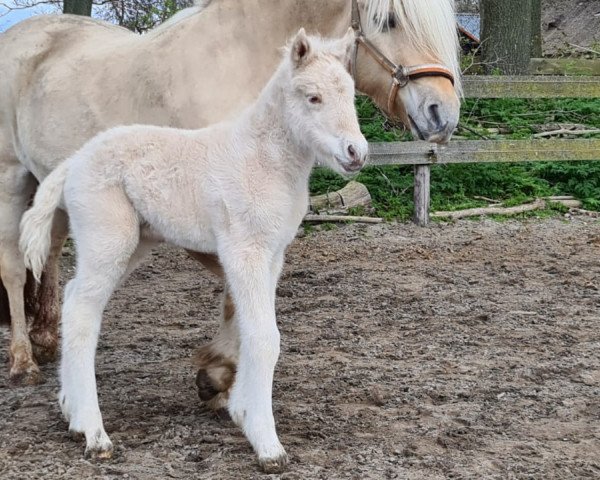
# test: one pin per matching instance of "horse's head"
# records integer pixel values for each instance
(321, 102)
(417, 39)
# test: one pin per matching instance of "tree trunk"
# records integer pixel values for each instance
(536, 28)
(506, 35)
(78, 7)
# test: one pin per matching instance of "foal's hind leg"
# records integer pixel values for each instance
(107, 237)
(44, 331)
(16, 187)
(217, 360)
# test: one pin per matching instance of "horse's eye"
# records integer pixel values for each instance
(315, 99)
(391, 21)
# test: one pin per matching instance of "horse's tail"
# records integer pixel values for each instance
(36, 224)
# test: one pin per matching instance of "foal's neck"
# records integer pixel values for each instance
(268, 123)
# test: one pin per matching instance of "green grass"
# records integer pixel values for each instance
(454, 187)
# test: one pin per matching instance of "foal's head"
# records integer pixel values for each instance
(321, 102)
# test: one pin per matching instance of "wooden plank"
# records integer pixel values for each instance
(483, 86)
(564, 66)
(422, 194)
(487, 151)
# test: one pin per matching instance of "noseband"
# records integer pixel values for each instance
(400, 74)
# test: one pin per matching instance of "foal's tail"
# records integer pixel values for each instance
(36, 224)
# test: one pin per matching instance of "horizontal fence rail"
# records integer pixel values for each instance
(488, 151)
(422, 155)
(530, 86)
(564, 66)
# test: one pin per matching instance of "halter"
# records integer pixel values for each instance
(400, 74)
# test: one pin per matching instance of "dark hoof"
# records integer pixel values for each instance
(274, 465)
(44, 354)
(206, 389)
(25, 378)
(44, 346)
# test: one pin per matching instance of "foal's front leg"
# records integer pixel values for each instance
(252, 278)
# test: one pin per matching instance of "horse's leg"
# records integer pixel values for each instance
(16, 187)
(250, 277)
(44, 331)
(217, 360)
(106, 238)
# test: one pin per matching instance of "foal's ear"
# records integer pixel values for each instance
(345, 48)
(301, 48)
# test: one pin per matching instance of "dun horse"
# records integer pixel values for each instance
(66, 78)
(236, 190)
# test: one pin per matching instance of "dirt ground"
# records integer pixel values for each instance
(467, 350)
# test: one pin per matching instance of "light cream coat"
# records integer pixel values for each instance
(64, 79)
(238, 190)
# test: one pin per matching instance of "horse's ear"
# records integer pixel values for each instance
(301, 48)
(345, 47)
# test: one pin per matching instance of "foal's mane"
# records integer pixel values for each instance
(430, 24)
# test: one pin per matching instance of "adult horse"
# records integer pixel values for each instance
(66, 78)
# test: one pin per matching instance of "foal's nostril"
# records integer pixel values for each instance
(352, 152)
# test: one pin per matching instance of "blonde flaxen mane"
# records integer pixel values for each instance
(430, 24)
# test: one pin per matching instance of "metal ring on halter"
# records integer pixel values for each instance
(400, 74)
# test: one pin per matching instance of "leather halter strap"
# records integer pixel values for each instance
(400, 74)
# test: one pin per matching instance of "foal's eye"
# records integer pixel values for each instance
(315, 99)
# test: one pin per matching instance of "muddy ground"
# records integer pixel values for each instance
(469, 350)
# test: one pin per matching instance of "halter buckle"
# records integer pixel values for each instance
(400, 77)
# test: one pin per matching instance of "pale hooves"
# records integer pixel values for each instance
(98, 454)
(99, 447)
(274, 465)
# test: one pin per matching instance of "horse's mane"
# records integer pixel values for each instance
(431, 25)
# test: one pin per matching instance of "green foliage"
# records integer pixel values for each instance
(581, 179)
(518, 118)
(455, 187)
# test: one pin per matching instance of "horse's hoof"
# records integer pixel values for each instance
(44, 354)
(99, 447)
(274, 465)
(206, 388)
(100, 454)
(27, 376)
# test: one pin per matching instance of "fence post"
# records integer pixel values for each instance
(421, 194)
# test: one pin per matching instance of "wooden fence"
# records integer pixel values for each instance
(422, 155)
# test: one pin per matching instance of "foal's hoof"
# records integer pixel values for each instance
(274, 465)
(25, 376)
(99, 448)
(98, 454)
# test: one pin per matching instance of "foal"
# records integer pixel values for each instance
(237, 189)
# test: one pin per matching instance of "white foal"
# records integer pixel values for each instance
(238, 189)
